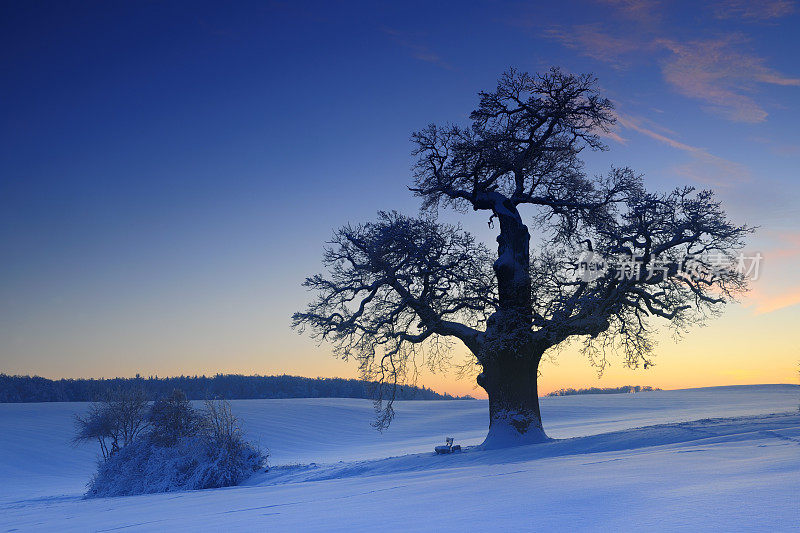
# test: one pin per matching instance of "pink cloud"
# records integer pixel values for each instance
(591, 41)
(750, 10)
(642, 11)
(635, 123)
(705, 167)
(716, 72)
(719, 72)
(788, 246)
(782, 257)
(417, 49)
(611, 135)
(767, 302)
(778, 147)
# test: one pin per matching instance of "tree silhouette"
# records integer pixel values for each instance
(610, 256)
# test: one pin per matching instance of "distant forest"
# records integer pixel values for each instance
(604, 390)
(16, 389)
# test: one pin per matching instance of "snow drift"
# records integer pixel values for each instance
(702, 459)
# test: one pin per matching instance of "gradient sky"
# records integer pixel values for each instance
(169, 171)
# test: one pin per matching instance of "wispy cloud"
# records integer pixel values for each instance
(717, 73)
(590, 40)
(418, 50)
(612, 135)
(705, 167)
(778, 147)
(723, 73)
(788, 246)
(641, 11)
(764, 302)
(640, 125)
(782, 256)
(753, 10)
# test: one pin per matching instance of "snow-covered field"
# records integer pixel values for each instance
(701, 459)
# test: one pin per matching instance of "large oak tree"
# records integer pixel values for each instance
(610, 258)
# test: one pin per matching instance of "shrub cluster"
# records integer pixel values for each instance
(174, 447)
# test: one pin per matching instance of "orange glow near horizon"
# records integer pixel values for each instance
(742, 347)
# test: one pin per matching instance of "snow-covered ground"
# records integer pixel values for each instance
(702, 459)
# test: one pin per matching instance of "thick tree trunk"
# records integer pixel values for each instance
(512, 266)
(510, 370)
(514, 415)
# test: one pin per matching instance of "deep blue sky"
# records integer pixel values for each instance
(169, 170)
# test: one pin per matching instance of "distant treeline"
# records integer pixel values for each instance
(15, 389)
(604, 390)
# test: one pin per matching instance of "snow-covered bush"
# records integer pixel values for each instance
(172, 418)
(214, 454)
(115, 421)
